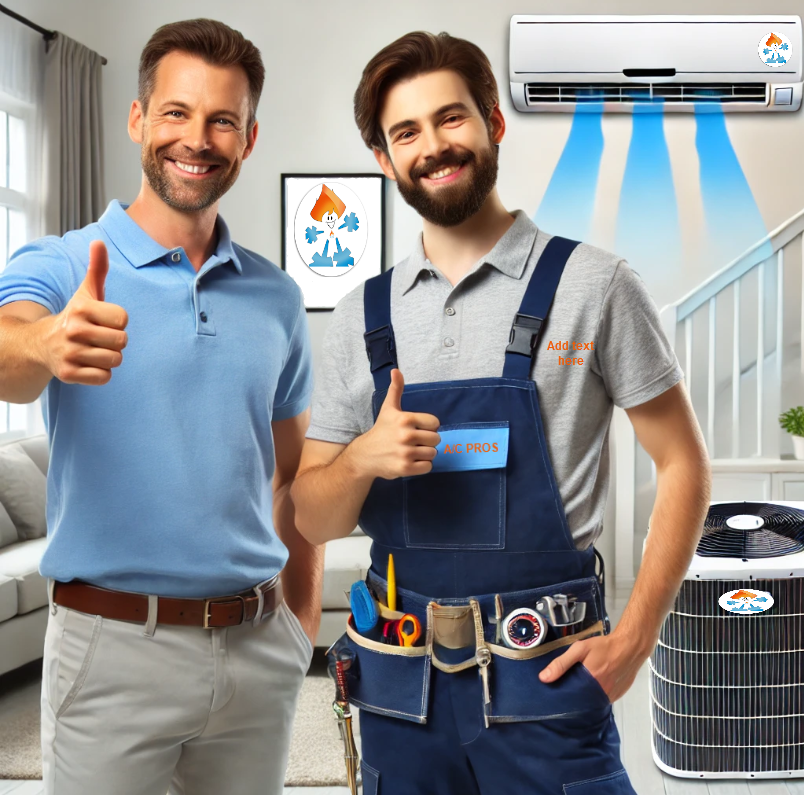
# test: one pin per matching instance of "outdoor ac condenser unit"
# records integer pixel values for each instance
(671, 63)
(727, 676)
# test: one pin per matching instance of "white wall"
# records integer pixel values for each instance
(315, 52)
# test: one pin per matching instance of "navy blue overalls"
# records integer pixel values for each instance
(479, 531)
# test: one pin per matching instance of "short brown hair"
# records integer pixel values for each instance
(414, 54)
(214, 42)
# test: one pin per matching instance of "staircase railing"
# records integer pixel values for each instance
(695, 320)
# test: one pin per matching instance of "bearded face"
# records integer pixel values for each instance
(468, 179)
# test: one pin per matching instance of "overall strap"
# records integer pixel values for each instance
(521, 350)
(379, 335)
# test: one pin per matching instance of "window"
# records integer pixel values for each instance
(19, 222)
(13, 183)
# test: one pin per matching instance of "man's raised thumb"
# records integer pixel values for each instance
(95, 280)
(394, 397)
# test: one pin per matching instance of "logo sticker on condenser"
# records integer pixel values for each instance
(746, 601)
(774, 49)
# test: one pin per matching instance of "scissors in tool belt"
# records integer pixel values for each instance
(408, 630)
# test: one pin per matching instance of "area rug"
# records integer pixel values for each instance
(316, 750)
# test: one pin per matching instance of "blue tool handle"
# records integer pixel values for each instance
(364, 608)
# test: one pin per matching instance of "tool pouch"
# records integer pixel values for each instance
(395, 680)
(388, 680)
(517, 693)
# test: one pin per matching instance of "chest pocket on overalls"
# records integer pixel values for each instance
(460, 504)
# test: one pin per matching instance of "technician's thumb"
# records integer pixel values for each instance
(95, 280)
(394, 397)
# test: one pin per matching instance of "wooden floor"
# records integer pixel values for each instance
(633, 722)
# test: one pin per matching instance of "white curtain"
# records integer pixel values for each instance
(22, 61)
(22, 72)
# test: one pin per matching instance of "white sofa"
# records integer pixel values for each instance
(23, 591)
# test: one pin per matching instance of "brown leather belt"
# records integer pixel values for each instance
(221, 611)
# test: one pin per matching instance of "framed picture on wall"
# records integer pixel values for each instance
(333, 233)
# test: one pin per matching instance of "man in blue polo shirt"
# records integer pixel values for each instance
(175, 372)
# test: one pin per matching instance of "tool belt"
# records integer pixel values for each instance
(394, 680)
(221, 611)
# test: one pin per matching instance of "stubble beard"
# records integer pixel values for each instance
(186, 196)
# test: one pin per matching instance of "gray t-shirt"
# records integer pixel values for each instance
(453, 333)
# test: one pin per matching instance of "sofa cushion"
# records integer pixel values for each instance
(38, 450)
(21, 562)
(8, 533)
(8, 598)
(23, 491)
(345, 560)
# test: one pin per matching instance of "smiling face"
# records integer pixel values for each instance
(330, 218)
(441, 152)
(195, 133)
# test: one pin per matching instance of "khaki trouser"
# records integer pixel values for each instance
(199, 711)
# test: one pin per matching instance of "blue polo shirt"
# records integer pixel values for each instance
(160, 480)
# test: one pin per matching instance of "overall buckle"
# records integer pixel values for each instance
(379, 347)
(524, 334)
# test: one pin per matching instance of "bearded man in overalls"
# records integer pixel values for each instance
(484, 472)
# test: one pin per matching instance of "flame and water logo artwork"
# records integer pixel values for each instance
(774, 50)
(330, 229)
(746, 602)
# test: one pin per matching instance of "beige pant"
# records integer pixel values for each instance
(199, 711)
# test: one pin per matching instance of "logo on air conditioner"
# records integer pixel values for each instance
(746, 602)
(774, 50)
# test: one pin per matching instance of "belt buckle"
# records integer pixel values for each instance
(226, 600)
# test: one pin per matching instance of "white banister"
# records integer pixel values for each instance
(710, 381)
(625, 492)
(773, 449)
(735, 377)
(760, 353)
(778, 238)
(688, 352)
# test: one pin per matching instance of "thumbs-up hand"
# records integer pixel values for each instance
(401, 443)
(84, 341)
(95, 281)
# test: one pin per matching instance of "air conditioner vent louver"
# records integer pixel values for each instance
(779, 531)
(582, 93)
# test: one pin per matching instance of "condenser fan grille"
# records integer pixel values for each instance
(730, 533)
(727, 691)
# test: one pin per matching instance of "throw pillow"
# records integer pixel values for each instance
(22, 492)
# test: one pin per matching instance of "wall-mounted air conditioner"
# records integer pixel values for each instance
(673, 63)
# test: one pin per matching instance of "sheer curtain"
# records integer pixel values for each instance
(22, 71)
(51, 154)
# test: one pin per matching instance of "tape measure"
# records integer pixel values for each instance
(523, 628)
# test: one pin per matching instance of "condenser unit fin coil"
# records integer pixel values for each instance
(727, 691)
